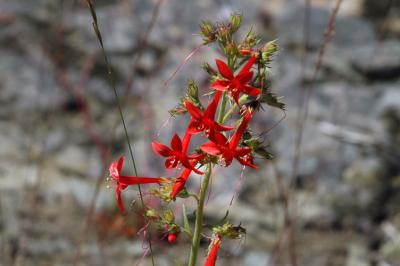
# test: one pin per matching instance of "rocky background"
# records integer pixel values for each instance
(60, 128)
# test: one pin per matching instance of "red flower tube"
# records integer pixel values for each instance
(123, 182)
(213, 253)
(180, 183)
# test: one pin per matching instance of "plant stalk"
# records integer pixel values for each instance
(199, 217)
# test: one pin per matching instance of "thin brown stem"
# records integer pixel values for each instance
(306, 92)
(117, 99)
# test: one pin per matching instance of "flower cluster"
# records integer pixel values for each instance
(239, 90)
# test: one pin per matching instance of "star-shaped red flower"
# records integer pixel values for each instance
(123, 182)
(205, 121)
(235, 85)
(228, 150)
(177, 153)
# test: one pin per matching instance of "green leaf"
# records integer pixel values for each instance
(186, 225)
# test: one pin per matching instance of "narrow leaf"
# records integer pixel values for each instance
(186, 225)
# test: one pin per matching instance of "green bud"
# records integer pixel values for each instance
(211, 71)
(208, 31)
(230, 231)
(151, 214)
(268, 50)
(236, 20)
(169, 216)
(231, 49)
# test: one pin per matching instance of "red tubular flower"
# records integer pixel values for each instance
(180, 183)
(123, 182)
(228, 150)
(178, 154)
(213, 253)
(205, 121)
(234, 85)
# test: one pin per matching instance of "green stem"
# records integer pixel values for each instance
(199, 217)
(242, 99)
(223, 107)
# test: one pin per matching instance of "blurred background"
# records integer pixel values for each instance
(60, 129)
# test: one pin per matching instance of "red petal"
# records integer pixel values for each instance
(193, 110)
(119, 199)
(120, 163)
(252, 91)
(247, 162)
(114, 173)
(248, 65)
(171, 163)
(211, 148)
(235, 95)
(176, 143)
(239, 132)
(242, 151)
(186, 142)
(161, 149)
(193, 127)
(219, 127)
(245, 77)
(218, 138)
(190, 166)
(180, 183)
(196, 156)
(220, 85)
(224, 69)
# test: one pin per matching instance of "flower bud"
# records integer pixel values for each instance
(231, 49)
(230, 231)
(172, 238)
(268, 50)
(224, 34)
(236, 20)
(169, 216)
(208, 68)
(208, 31)
(151, 214)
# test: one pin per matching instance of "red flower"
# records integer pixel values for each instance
(205, 121)
(236, 84)
(172, 238)
(180, 183)
(228, 149)
(213, 253)
(123, 182)
(177, 154)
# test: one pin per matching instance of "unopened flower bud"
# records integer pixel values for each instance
(268, 50)
(230, 231)
(172, 238)
(231, 49)
(208, 32)
(151, 214)
(236, 20)
(224, 34)
(169, 216)
(211, 71)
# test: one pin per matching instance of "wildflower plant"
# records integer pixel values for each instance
(239, 90)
